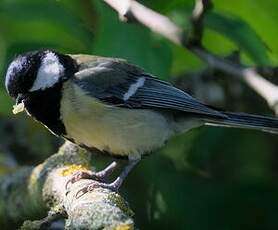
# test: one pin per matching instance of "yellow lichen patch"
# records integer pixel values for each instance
(69, 170)
(124, 227)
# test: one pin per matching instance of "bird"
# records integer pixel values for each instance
(111, 105)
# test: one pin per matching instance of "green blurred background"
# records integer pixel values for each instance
(209, 178)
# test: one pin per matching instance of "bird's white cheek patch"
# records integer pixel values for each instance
(49, 72)
(133, 88)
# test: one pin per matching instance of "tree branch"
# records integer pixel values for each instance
(29, 192)
(130, 10)
(196, 33)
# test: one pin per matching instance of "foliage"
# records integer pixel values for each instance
(209, 178)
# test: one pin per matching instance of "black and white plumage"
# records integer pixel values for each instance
(108, 104)
(40, 79)
(132, 88)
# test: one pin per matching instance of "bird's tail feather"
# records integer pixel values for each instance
(247, 121)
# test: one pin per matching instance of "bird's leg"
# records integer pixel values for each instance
(115, 185)
(107, 171)
(98, 176)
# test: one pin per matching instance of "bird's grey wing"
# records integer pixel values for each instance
(125, 85)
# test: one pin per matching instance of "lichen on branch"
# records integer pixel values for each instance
(28, 193)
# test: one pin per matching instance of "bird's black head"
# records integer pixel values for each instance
(35, 80)
(37, 70)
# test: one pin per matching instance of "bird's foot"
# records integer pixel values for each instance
(100, 176)
(114, 186)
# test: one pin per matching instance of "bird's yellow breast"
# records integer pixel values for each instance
(121, 131)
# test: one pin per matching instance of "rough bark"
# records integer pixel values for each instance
(28, 193)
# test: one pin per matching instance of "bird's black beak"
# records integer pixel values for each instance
(18, 99)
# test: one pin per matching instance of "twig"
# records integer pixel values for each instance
(130, 10)
(198, 14)
(44, 223)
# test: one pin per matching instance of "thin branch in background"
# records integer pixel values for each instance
(130, 10)
(198, 14)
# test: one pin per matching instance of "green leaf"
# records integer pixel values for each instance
(42, 22)
(241, 33)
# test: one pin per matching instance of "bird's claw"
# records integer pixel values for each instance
(82, 175)
(100, 176)
(93, 185)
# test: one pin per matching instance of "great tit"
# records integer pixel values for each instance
(111, 105)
